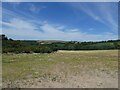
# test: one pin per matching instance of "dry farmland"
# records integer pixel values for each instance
(62, 69)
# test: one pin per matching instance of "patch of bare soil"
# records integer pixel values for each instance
(90, 79)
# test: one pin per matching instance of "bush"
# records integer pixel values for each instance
(25, 46)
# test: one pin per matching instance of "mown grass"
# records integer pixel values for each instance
(57, 65)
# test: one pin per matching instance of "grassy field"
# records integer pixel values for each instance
(83, 69)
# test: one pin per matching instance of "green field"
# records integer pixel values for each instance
(97, 68)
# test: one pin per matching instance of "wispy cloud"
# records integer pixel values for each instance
(109, 14)
(20, 29)
(0, 17)
(8, 14)
(36, 9)
(105, 13)
(91, 29)
(20, 25)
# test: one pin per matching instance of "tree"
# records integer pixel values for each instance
(3, 37)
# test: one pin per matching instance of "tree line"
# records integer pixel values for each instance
(31, 46)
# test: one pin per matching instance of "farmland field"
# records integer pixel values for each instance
(61, 69)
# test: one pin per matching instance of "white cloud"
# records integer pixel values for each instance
(73, 30)
(7, 13)
(61, 27)
(91, 29)
(19, 24)
(20, 29)
(109, 14)
(0, 23)
(103, 13)
(36, 9)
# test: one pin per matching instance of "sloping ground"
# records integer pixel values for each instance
(63, 69)
(50, 41)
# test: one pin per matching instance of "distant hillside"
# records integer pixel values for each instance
(48, 46)
(50, 41)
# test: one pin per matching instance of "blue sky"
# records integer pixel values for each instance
(79, 21)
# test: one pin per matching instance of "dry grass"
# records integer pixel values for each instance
(61, 69)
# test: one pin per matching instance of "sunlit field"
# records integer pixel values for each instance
(61, 69)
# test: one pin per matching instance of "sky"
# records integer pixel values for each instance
(76, 21)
